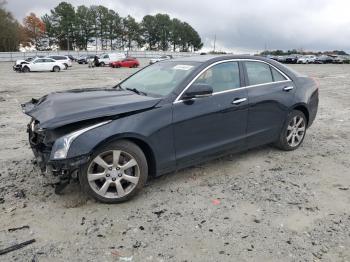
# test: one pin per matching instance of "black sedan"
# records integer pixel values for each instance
(85, 59)
(168, 116)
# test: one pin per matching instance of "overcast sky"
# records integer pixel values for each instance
(239, 26)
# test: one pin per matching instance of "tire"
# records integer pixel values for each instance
(293, 133)
(102, 64)
(65, 66)
(108, 175)
(56, 69)
(25, 69)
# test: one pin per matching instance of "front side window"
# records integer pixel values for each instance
(221, 77)
(160, 78)
(258, 73)
(39, 61)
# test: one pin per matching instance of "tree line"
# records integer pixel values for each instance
(302, 52)
(78, 27)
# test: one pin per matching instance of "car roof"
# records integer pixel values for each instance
(216, 58)
(206, 60)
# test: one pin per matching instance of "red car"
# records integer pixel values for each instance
(127, 62)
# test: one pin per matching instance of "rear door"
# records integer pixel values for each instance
(271, 94)
(203, 127)
(49, 64)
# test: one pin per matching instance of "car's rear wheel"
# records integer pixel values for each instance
(115, 172)
(293, 132)
(25, 69)
(56, 69)
(102, 64)
(65, 66)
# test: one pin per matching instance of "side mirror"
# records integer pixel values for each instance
(198, 91)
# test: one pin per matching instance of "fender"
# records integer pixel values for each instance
(149, 127)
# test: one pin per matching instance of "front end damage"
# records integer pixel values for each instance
(58, 119)
(41, 142)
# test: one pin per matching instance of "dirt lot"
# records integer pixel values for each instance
(260, 205)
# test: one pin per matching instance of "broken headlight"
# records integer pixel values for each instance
(62, 144)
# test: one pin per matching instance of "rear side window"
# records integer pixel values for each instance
(277, 76)
(221, 77)
(258, 73)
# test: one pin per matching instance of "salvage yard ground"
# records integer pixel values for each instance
(260, 205)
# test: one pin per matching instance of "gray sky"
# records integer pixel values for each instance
(240, 26)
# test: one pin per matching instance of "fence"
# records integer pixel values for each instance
(13, 56)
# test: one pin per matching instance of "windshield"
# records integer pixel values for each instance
(161, 78)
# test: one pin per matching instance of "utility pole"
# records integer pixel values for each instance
(68, 41)
(214, 42)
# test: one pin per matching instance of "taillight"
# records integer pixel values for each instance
(317, 83)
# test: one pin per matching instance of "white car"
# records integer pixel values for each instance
(105, 59)
(307, 59)
(43, 64)
(161, 58)
(18, 64)
(63, 59)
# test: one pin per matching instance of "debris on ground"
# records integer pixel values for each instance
(17, 246)
(17, 228)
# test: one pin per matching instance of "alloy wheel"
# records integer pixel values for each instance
(113, 174)
(296, 131)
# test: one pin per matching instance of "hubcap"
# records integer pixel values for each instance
(113, 174)
(295, 131)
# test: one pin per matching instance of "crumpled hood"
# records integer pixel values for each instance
(62, 108)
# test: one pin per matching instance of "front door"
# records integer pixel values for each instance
(203, 127)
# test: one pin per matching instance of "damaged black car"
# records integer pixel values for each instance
(168, 116)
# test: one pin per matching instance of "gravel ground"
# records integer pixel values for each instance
(259, 205)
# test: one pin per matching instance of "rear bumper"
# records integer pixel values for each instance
(313, 107)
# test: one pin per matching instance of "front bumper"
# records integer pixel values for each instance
(63, 168)
(17, 68)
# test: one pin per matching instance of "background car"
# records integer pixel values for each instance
(63, 59)
(105, 59)
(84, 59)
(127, 62)
(307, 59)
(324, 59)
(338, 60)
(292, 59)
(281, 58)
(160, 58)
(43, 64)
(18, 64)
(72, 58)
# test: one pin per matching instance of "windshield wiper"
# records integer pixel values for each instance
(136, 91)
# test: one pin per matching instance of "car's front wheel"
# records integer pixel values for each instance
(115, 172)
(293, 132)
(25, 69)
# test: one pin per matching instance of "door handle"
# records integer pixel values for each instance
(288, 88)
(238, 101)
